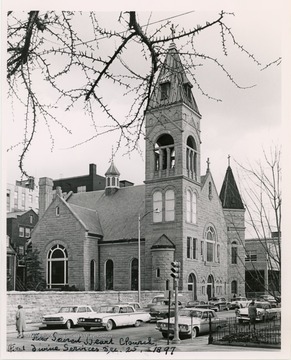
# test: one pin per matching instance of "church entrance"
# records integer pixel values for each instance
(210, 286)
(192, 286)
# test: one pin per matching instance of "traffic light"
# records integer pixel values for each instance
(175, 269)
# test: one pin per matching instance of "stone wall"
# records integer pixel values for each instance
(37, 304)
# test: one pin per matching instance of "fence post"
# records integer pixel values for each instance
(210, 337)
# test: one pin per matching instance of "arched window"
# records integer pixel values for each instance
(57, 211)
(210, 190)
(92, 275)
(234, 287)
(234, 252)
(164, 152)
(210, 243)
(218, 253)
(134, 274)
(192, 285)
(57, 267)
(157, 206)
(210, 286)
(188, 213)
(109, 275)
(191, 158)
(169, 205)
(191, 207)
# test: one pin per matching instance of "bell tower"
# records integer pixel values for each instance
(172, 162)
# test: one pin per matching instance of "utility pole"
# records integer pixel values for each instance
(176, 274)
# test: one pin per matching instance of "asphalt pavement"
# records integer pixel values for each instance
(199, 344)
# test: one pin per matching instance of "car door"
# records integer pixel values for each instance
(122, 316)
(204, 325)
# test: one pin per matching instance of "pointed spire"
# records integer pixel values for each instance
(229, 194)
(112, 170)
(172, 85)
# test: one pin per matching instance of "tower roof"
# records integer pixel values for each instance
(177, 87)
(112, 170)
(229, 194)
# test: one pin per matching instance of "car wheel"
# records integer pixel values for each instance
(164, 335)
(69, 324)
(109, 325)
(137, 323)
(195, 332)
(87, 328)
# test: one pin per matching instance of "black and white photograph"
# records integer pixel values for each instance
(144, 159)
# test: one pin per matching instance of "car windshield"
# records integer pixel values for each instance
(193, 313)
(108, 309)
(68, 309)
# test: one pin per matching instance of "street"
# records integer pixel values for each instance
(124, 339)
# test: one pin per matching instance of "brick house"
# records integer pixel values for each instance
(262, 265)
(90, 240)
(19, 226)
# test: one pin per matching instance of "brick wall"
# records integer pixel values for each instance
(65, 230)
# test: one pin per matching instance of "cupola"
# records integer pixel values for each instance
(112, 179)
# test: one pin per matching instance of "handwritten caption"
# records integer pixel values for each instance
(41, 342)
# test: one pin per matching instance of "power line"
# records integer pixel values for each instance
(122, 32)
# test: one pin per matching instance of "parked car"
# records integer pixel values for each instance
(270, 299)
(194, 303)
(238, 303)
(67, 315)
(264, 312)
(158, 299)
(161, 309)
(218, 303)
(200, 323)
(110, 317)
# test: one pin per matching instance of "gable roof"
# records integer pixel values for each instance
(173, 72)
(88, 217)
(229, 194)
(163, 242)
(117, 214)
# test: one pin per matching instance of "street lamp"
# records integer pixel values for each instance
(156, 211)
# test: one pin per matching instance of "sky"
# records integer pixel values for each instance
(245, 122)
(241, 125)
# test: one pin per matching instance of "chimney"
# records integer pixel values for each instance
(45, 194)
(92, 169)
(59, 191)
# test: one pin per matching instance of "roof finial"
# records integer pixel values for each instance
(112, 154)
(228, 160)
(208, 164)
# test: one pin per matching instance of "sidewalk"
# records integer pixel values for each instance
(29, 327)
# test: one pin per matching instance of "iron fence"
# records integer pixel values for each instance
(266, 333)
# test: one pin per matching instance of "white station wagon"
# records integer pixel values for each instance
(67, 315)
(110, 317)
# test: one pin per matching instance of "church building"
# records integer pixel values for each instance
(95, 240)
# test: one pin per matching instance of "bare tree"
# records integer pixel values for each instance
(50, 48)
(263, 203)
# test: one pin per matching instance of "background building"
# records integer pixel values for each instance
(262, 265)
(22, 196)
(19, 226)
